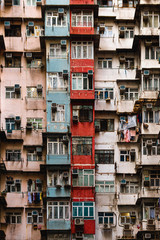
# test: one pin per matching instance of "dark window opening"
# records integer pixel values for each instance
(13, 31)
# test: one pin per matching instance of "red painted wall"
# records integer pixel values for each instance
(89, 227)
(82, 2)
(83, 192)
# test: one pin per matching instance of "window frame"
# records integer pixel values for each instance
(81, 46)
(106, 218)
(107, 154)
(100, 186)
(82, 82)
(82, 206)
(33, 93)
(16, 154)
(36, 124)
(104, 93)
(60, 82)
(106, 63)
(129, 185)
(59, 113)
(57, 141)
(59, 22)
(81, 16)
(82, 146)
(31, 216)
(11, 215)
(82, 175)
(60, 207)
(58, 51)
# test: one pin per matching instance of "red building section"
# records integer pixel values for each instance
(82, 95)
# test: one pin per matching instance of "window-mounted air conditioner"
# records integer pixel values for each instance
(39, 88)
(65, 174)
(17, 119)
(28, 55)
(65, 139)
(17, 88)
(63, 42)
(65, 74)
(123, 181)
(90, 72)
(145, 15)
(39, 149)
(8, 55)
(7, 24)
(122, 59)
(30, 24)
(149, 106)
(146, 72)
(79, 221)
(75, 172)
(122, 88)
(60, 12)
(147, 235)
(54, 107)
(39, 2)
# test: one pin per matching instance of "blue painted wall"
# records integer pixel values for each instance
(58, 224)
(58, 159)
(56, 3)
(58, 192)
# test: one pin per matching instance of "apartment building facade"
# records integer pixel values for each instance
(79, 119)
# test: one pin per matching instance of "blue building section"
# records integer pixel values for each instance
(58, 192)
(59, 2)
(58, 159)
(58, 224)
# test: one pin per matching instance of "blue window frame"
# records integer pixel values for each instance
(83, 209)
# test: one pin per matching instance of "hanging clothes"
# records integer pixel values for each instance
(29, 197)
(34, 197)
(38, 197)
(132, 121)
(127, 136)
(41, 196)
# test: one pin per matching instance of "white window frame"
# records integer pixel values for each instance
(83, 48)
(100, 93)
(56, 81)
(104, 217)
(128, 32)
(125, 155)
(59, 114)
(79, 16)
(31, 2)
(59, 22)
(82, 206)
(81, 178)
(36, 122)
(101, 186)
(14, 153)
(57, 142)
(33, 156)
(30, 217)
(33, 93)
(58, 51)
(154, 150)
(152, 53)
(151, 83)
(16, 215)
(56, 177)
(57, 204)
(130, 94)
(108, 32)
(79, 80)
(127, 188)
(13, 186)
(104, 63)
(151, 16)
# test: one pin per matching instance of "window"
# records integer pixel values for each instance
(105, 186)
(13, 185)
(106, 3)
(57, 147)
(59, 236)
(13, 31)
(35, 62)
(151, 147)
(130, 187)
(34, 185)
(13, 62)
(129, 94)
(82, 50)
(58, 177)
(128, 218)
(58, 210)
(59, 114)
(16, 2)
(13, 218)
(13, 155)
(10, 93)
(105, 125)
(36, 122)
(151, 116)
(35, 31)
(149, 210)
(104, 156)
(152, 82)
(34, 217)
(104, 63)
(106, 31)
(85, 178)
(81, 81)
(151, 20)
(83, 112)
(32, 92)
(104, 93)
(57, 51)
(128, 3)
(10, 124)
(83, 209)
(31, 2)
(155, 178)
(53, 19)
(82, 18)
(33, 155)
(127, 64)
(105, 217)
(126, 32)
(152, 53)
(56, 81)
(81, 146)
(127, 156)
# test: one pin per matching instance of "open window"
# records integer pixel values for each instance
(82, 113)
(12, 60)
(12, 29)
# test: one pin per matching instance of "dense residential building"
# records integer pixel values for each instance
(79, 119)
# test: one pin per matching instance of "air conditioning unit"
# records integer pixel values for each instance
(75, 172)
(39, 149)
(63, 42)
(7, 24)
(106, 226)
(146, 181)
(75, 119)
(90, 72)
(146, 72)
(121, 32)
(79, 221)
(17, 119)
(65, 74)
(38, 181)
(39, 2)
(133, 214)
(149, 105)
(97, 128)
(29, 125)
(58, 185)
(145, 15)
(17, 181)
(147, 235)
(8, 55)
(102, 27)
(79, 235)
(34, 212)
(54, 107)
(122, 88)
(148, 43)
(149, 142)
(122, 59)
(122, 28)
(39, 88)
(122, 118)
(65, 139)
(60, 12)
(28, 55)
(65, 174)
(123, 181)
(17, 88)
(132, 152)
(150, 221)
(30, 24)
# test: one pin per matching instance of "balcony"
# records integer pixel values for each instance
(57, 160)
(150, 160)
(156, 2)
(14, 43)
(126, 13)
(105, 105)
(149, 94)
(57, 3)
(15, 134)
(83, 2)
(150, 128)
(82, 94)
(32, 44)
(125, 106)
(57, 31)
(127, 199)
(149, 32)
(57, 64)
(82, 30)
(55, 192)
(58, 224)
